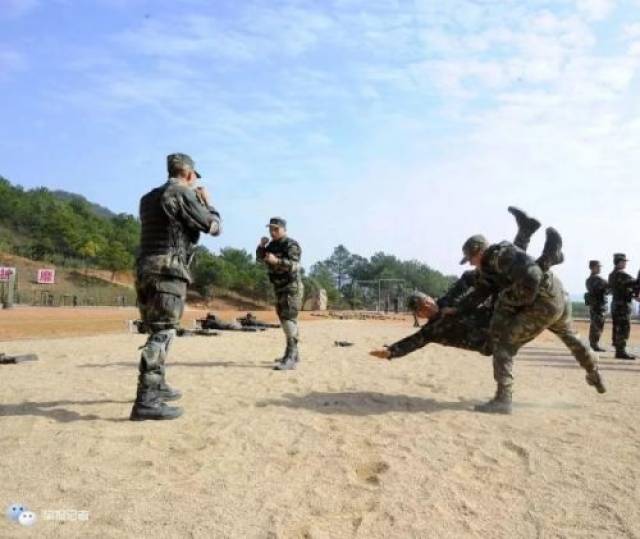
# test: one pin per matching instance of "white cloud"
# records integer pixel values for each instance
(595, 10)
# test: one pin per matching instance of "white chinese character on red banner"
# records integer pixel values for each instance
(46, 276)
(6, 273)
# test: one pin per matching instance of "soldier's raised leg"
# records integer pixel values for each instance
(527, 227)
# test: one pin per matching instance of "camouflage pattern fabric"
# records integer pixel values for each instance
(469, 331)
(289, 303)
(285, 275)
(597, 290)
(623, 287)
(161, 301)
(528, 302)
(172, 218)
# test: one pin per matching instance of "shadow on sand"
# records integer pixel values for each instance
(171, 364)
(364, 403)
(53, 410)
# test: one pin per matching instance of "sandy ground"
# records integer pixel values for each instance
(346, 446)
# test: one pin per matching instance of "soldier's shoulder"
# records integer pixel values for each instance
(290, 242)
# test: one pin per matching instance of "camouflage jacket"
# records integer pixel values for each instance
(512, 276)
(285, 275)
(623, 286)
(172, 218)
(597, 290)
(463, 286)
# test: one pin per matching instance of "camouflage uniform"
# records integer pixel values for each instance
(287, 285)
(172, 218)
(596, 300)
(466, 330)
(529, 300)
(623, 287)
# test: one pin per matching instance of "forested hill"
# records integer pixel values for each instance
(67, 230)
(64, 229)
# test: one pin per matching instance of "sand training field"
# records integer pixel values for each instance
(345, 446)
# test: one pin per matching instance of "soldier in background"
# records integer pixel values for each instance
(282, 255)
(623, 288)
(172, 217)
(596, 300)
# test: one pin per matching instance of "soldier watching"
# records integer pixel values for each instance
(596, 300)
(282, 255)
(623, 288)
(172, 217)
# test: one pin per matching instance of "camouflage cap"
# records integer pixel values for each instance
(594, 263)
(473, 245)
(620, 257)
(277, 221)
(178, 160)
(414, 300)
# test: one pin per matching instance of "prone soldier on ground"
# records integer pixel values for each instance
(250, 321)
(213, 322)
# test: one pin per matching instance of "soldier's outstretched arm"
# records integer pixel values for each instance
(403, 347)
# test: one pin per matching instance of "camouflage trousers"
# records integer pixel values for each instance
(288, 304)
(513, 327)
(161, 303)
(469, 331)
(596, 326)
(621, 325)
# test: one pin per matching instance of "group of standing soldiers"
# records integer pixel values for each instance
(623, 288)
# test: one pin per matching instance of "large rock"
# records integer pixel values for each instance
(317, 300)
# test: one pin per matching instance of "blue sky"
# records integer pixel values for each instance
(402, 126)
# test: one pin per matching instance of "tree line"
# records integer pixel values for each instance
(67, 230)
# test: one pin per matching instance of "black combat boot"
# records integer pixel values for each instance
(552, 251)
(500, 404)
(527, 227)
(594, 378)
(149, 405)
(596, 348)
(623, 354)
(291, 357)
(168, 393)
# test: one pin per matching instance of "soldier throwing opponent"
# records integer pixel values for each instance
(282, 258)
(528, 300)
(172, 217)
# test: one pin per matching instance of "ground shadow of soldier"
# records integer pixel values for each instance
(174, 364)
(53, 410)
(364, 403)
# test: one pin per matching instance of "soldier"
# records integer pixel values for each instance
(596, 300)
(527, 227)
(528, 300)
(172, 217)
(282, 257)
(623, 288)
